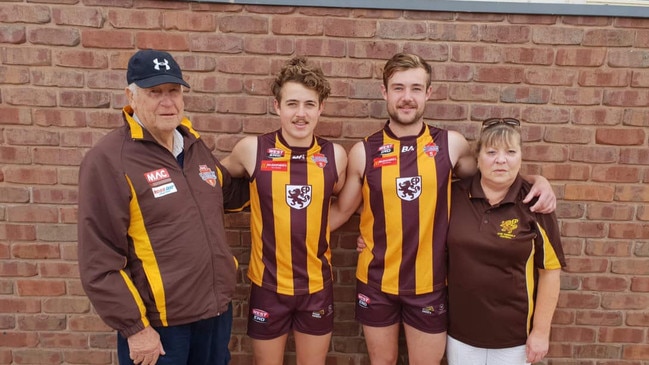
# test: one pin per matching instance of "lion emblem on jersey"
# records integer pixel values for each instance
(409, 188)
(298, 196)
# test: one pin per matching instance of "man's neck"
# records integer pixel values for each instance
(405, 130)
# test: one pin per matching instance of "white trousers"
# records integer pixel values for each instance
(459, 353)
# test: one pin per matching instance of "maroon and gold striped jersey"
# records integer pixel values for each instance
(290, 195)
(406, 202)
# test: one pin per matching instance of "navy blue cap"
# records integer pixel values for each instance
(149, 68)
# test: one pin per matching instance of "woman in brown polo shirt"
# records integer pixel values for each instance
(504, 260)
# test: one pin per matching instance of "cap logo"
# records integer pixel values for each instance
(158, 64)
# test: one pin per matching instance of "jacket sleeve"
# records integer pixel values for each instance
(103, 220)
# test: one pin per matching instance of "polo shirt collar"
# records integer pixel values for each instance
(475, 191)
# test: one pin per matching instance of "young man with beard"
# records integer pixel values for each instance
(402, 175)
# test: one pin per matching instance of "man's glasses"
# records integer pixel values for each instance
(512, 122)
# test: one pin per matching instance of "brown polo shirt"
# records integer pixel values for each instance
(494, 253)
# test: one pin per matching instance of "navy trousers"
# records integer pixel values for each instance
(199, 343)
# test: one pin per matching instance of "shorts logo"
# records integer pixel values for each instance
(363, 300)
(430, 310)
(208, 175)
(298, 196)
(323, 312)
(409, 188)
(259, 315)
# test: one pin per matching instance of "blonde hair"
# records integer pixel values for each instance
(498, 135)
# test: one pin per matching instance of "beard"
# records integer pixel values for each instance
(399, 118)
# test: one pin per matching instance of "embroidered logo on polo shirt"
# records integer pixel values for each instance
(298, 196)
(208, 175)
(409, 188)
(259, 315)
(160, 182)
(507, 228)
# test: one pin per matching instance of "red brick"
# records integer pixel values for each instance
(638, 352)
(66, 305)
(608, 248)
(7, 322)
(625, 301)
(32, 213)
(583, 229)
(604, 284)
(19, 339)
(86, 323)
(241, 23)
(45, 288)
(162, 41)
(629, 230)
(86, 17)
(220, 43)
(30, 175)
(321, 47)
(14, 34)
(557, 36)
(596, 351)
(580, 57)
(108, 39)
(627, 58)
(15, 13)
(54, 36)
(581, 300)
(589, 192)
(88, 357)
(81, 59)
(26, 305)
(54, 195)
(547, 76)
(598, 116)
(17, 232)
(41, 322)
(599, 318)
(622, 335)
(59, 270)
(37, 356)
(135, 19)
(573, 334)
(187, 21)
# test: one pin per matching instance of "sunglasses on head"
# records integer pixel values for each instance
(495, 121)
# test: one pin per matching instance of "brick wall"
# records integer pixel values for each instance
(581, 84)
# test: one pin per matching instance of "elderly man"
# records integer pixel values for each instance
(153, 256)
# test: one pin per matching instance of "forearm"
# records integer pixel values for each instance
(546, 301)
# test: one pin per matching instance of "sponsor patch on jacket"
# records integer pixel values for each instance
(208, 175)
(259, 315)
(267, 165)
(431, 149)
(157, 177)
(162, 190)
(320, 160)
(384, 161)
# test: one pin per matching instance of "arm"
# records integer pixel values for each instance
(464, 163)
(103, 244)
(341, 167)
(547, 296)
(239, 165)
(241, 161)
(541, 188)
(350, 196)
